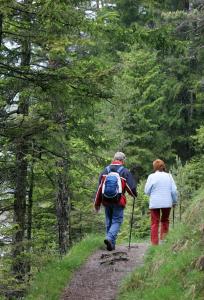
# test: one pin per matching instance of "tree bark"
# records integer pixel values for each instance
(63, 208)
(97, 4)
(29, 218)
(1, 29)
(19, 265)
(30, 203)
(186, 5)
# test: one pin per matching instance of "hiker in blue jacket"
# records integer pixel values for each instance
(114, 209)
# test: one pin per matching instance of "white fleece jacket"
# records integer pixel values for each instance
(162, 190)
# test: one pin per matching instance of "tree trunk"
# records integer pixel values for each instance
(30, 203)
(1, 28)
(29, 217)
(18, 265)
(63, 208)
(186, 5)
(97, 4)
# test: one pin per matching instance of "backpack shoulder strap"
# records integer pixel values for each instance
(120, 169)
(108, 169)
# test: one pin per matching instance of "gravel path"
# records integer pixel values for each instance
(100, 277)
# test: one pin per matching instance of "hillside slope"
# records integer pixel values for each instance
(174, 270)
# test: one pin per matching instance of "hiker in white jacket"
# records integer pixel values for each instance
(162, 192)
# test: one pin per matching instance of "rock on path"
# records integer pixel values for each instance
(100, 277)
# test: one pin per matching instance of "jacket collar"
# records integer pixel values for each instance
(117, 162)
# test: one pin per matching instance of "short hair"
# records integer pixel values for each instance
(119, 156)
(159, 165)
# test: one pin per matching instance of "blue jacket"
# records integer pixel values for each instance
(161, 189)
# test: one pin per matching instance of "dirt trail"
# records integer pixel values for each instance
(100, 277)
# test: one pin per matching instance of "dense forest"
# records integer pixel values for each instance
(80, 80)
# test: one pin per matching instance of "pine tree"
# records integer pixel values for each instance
(48, 78)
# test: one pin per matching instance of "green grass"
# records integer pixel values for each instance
(170, 270)
(50, 282)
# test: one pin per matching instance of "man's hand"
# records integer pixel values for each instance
(96, 208)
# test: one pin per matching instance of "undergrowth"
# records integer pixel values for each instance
(173, 270)
(50, 282)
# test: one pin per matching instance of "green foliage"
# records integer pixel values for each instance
(142, 86)
(189, 178)
(129, 11)
(199, 139)
(51, 83)
(159, 88)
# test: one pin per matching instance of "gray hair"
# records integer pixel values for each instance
(119, 156)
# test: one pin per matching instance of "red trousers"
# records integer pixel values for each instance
(155, 222)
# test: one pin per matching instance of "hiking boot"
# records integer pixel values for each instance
(109, 245)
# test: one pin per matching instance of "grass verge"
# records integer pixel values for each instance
(172, 270)
(50, 282)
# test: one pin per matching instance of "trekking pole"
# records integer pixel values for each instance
(173, 215)
(180, 210)
(131, 223)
